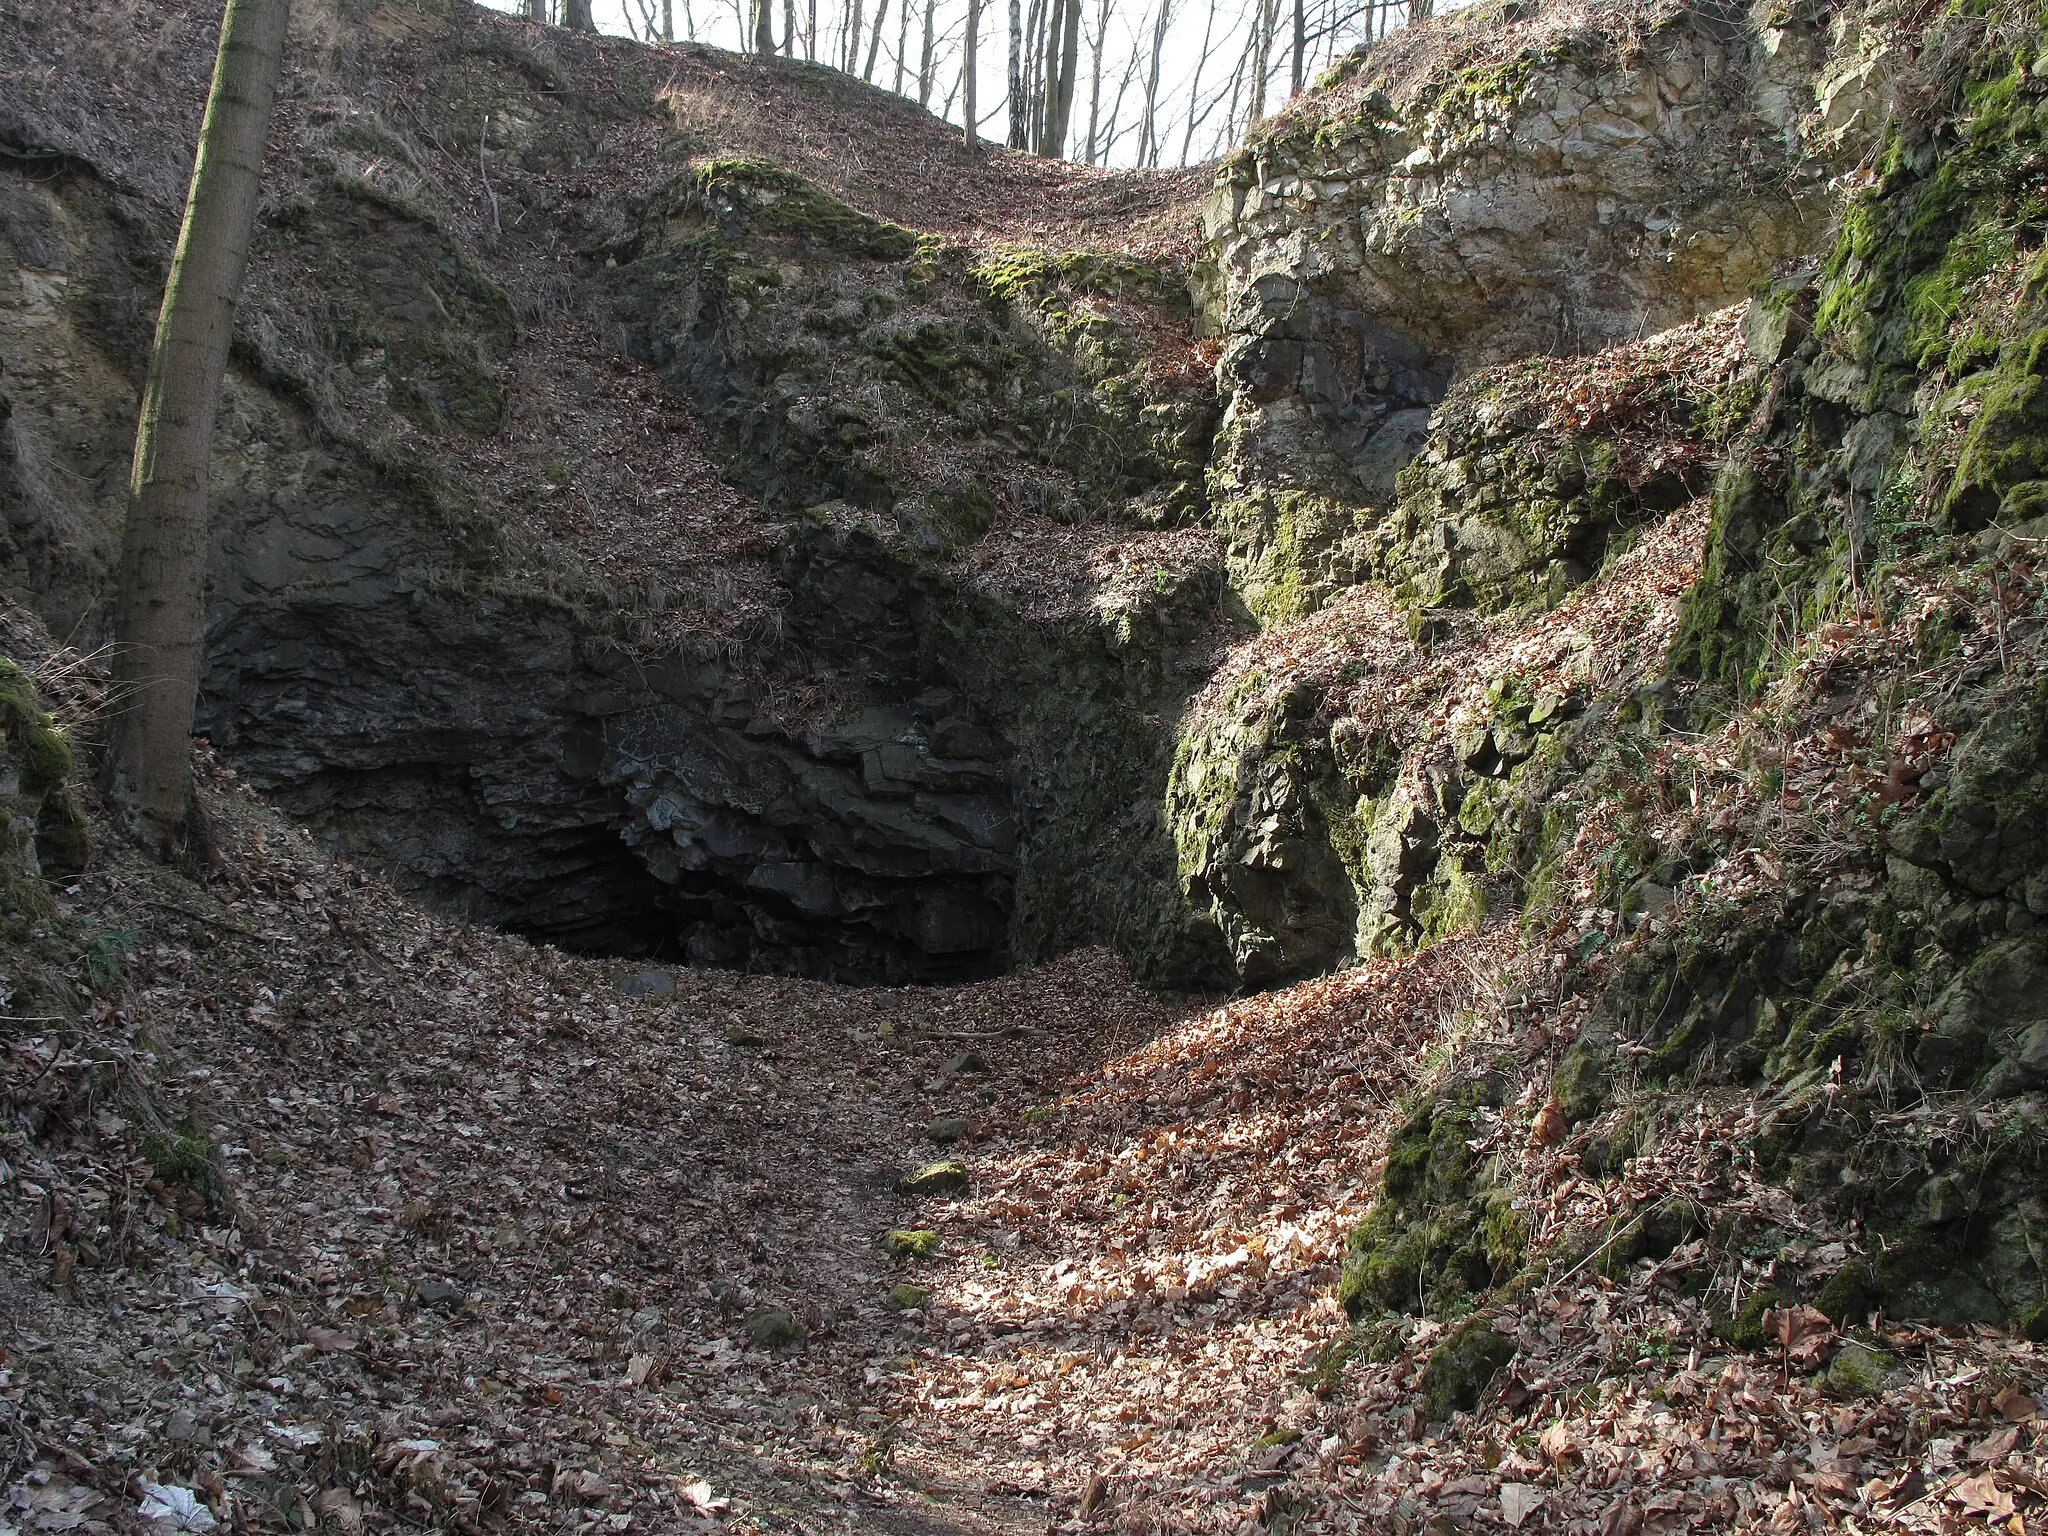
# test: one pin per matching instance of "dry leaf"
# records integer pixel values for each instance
(2014, 1406)
(645, 1371)
(1998, 1447)
(1981, 1495)
(1518, 1501)
(1802, 1332)
(698, 1495)
(330, 1341)
(1549, 1128)
(1555, 1444)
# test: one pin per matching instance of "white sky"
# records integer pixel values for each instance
(1128, 42)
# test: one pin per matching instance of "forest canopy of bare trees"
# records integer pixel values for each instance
(1105, 82)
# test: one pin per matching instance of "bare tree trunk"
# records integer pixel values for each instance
(1116, 107)
(159, 606)
(1195, 90)
(1063, 60)
(789, 29)
(811, 32)
(1148, 139)
(1295, 76)
(1034, 73)
(849, 44)
(902, 43)
(1263, 22)
(1421, 10)
(668, 21)
(1017, 106)
(1097, 44)
(925, 61)
(576, 16)
(537, 10)
(971, 132)
(875, 39)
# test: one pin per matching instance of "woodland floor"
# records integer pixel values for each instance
(330, 1204)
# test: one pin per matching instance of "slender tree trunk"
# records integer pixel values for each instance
(1148, 136)
(972, 130)
(1116, 107)
(1295, 77)
(1237, 88)
(849, 43)
(1187, 139)
(1264, 20)
(902, 42)
(537, 10)
(811, 31)
(1062, 57)
(1098, 42)
(875, 39)
(1034, 73)
(925, 62)
(1016, 100)
(668, 21)
(1421, 10)
(576, 16)
(789, 29)
(159, 606)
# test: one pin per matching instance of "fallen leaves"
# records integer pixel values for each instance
(1802, 1332)
(1518, 1501)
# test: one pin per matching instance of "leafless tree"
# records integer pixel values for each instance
(1187, 139)
(867, 71)
(971, 124)
(159, 601)
(925, 61)
(1148, 136)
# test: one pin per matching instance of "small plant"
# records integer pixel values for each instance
(107, 955)
(183, 1159)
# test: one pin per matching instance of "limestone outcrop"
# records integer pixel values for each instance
(1508, 185)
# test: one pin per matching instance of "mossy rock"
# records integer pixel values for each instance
(1438, 1235)
(905, 1296)
(34, 742)
(1745, 1329)
(794, 205)
(1857, 1370)
(941, 1178)
(1460, 1368)
(1848, 1296)
(910, 1242)
(774, 1328)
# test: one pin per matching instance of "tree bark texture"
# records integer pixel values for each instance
(1018, 109)
(867, 71)
(576, 16)
(971, 133)
(159, 607)
(926, 63)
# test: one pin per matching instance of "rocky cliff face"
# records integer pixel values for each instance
(491, 611)
(1711, 660)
